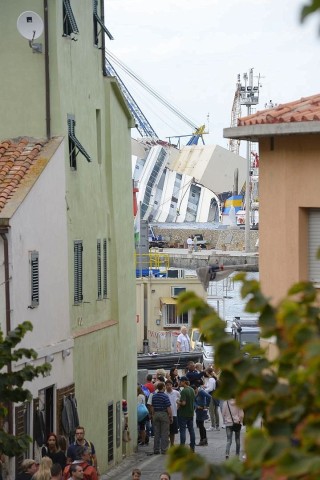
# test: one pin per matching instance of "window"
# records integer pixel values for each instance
(314, 245)
(99, 282)
(74, 145)
(69, 22)
(34, 262)
(170, 315)
(105, 268)
(98, 21)
(78, 251)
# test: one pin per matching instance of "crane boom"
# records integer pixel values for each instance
(142, 124)
(151, 91)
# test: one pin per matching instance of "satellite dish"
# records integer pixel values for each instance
(30, 25)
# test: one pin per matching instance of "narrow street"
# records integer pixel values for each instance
(152, 466)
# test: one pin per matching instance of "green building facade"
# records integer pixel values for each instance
(64, 91)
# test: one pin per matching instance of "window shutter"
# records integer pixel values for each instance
(69, 22)
(110, 432)
(105, 268)
(34, 279)
(99, 282)
(78, 249)
(314, 245)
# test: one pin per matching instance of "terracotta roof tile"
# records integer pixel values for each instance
(304, 110)
(16, 158)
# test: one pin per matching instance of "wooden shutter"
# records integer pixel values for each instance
(105, 268)
(99, 279)
(78, 250)
(34, 279)
(110, 432)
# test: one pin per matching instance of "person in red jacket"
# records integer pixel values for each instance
(82, 459)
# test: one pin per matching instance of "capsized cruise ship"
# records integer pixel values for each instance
(186, 185)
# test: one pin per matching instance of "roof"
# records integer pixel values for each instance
(22, 160)
(16, 158)
(303, 110)
(297, 117)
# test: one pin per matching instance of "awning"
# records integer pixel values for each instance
(168, 300)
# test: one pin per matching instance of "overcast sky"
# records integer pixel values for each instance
(191, 51)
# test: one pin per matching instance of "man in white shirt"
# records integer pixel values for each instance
(190, 244)
(183, 341)
(173, 395)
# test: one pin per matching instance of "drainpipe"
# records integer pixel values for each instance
(3, 232)
(46, 68)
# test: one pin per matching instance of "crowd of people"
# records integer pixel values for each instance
(175, 403)
(77, 462)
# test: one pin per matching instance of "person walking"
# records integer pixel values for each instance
(161, 417)
(202, 402)
(186, 412)
(136, 474)
(195, 243)
(193, 375)
(82, 459)
(76, 472)
(190, 244)
(82, 442)
(210, 386)
(233, 418)
(174, 396)
(165, 476)
(183, 340)
(28, 469)
(52, 450)
(56, 472)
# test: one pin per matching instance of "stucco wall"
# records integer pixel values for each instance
(149, 291)
(289, 178)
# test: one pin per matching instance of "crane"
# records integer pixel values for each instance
(143, 124)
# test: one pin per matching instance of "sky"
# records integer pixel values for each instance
(190, 52)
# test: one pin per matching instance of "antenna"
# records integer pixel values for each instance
(30, 26)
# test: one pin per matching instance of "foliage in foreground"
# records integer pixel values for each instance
(11, 384)
(284, 393)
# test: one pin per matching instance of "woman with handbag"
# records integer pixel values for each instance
(232, 418)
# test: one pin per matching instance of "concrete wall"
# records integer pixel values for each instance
(289, 172)
(230, 239)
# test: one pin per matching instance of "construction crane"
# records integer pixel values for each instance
(143, 124)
